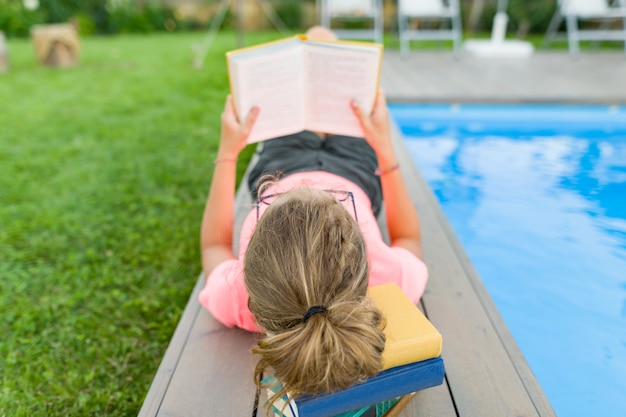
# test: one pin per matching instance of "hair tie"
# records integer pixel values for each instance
(313, 311)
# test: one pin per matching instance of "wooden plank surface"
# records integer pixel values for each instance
(432, 402)
(547, 76)
(485, 371)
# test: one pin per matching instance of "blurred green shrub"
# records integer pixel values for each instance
(290, 12)
(125, 16)
(534, 15)
(525, 16)
(16, 20)
(91, 16)
(85, 23)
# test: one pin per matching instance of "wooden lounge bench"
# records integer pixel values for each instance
(207, 369)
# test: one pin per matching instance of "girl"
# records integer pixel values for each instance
(310, 248)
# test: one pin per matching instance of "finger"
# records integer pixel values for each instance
(381, 96)
(228, 104)
(360, 114)
(230, 110)
(381, 102)
(231, 103)
(253, 114)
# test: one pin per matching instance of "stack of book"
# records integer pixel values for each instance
(411, 362)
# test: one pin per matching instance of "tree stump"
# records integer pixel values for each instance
(56, 45)
(4, 54)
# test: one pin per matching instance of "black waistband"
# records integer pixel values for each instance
(349, 157)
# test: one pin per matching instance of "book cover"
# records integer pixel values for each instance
(410, 337)
(388, 384)
(300, 83)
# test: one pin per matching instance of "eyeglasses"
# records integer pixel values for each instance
(341, 196)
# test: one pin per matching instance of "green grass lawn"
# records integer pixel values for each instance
(104, 170)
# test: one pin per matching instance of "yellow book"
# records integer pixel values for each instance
(304, 84)
(410, 337)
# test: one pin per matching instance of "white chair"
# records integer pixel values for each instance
(448, 12)
(352, 10)
(574, 10)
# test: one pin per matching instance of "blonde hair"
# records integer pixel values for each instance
(307, 251)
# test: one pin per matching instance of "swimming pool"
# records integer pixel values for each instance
(537, 197)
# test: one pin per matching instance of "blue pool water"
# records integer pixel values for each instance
(537, 197)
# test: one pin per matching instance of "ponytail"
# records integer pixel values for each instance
(327, 353)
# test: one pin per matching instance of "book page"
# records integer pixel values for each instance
(334, 75)
(270, 77)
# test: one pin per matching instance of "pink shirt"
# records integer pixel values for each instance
(225, 294)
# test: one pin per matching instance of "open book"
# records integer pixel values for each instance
(304, 84)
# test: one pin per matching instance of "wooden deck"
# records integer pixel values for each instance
(546, 77)
(207, 369)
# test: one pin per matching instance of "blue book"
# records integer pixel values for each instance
(389, 384)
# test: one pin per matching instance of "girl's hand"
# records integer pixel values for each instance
(235, 134)
(377, 129)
